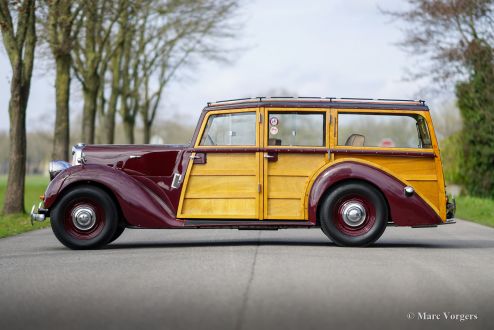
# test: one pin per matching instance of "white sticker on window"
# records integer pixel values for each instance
(273, 121)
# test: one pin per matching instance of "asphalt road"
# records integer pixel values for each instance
(229, 279)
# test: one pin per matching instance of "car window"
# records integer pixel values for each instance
(235, 129)
(385, 131)
(296, 129)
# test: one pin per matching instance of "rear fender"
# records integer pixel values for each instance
(404, 211)
(140, 206)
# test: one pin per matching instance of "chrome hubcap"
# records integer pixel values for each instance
(83, 217)
(353, 214)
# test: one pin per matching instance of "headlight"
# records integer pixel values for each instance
(57, 166)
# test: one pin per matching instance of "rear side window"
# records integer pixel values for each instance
(385, 131)
(296, 129)
(235, 129)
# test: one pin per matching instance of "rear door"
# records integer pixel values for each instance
(295, 146)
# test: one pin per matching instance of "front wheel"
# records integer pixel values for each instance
(354, 214)
(85, 218)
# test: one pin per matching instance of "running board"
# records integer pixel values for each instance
(248, 224)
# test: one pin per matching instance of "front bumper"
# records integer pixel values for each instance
(38, 214)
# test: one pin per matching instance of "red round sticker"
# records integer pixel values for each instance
(273, 121)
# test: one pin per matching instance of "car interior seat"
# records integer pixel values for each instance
(355, 140)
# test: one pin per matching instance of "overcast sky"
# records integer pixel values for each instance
(341, 48)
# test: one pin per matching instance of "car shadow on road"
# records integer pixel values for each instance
(453, 244)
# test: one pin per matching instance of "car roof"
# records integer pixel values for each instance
(318, 102)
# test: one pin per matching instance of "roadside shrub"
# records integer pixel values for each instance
(452, 157)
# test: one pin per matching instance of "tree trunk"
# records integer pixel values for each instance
(90, 92)
(61, 138)
(110, 118)
(129, 130)
(20, 49)
(14, 195)
(147, 132)
(112, 103)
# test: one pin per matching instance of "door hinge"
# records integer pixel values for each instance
(259, 188)
(260, 118)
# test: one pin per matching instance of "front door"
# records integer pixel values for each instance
(296, 145)
(223, 180)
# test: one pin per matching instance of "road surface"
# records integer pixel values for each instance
(229, 279)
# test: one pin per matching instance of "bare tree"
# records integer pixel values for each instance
(443, 32)
(59, 27)
(457, 36)
(89, 52)
(190, 30)
(153, 41)
(20, 43)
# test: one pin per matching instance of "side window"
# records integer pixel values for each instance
(235, 129)
(385, 131)
(296, 129)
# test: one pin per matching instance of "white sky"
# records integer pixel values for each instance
(341, 48)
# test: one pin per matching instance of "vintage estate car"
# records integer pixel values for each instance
(348, 166)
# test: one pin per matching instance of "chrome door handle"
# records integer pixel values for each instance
(269, 156)
(194, 157)
(134, 157)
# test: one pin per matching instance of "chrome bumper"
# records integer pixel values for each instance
(38, 214)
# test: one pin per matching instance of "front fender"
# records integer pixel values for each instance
(404, 211)
(140, 206)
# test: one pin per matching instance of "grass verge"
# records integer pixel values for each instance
(480, 210)
(18, 223)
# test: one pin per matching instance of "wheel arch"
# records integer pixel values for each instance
(140, 206)
(342, 182)
(402, 210)
(74, 185)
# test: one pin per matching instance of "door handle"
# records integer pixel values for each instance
(199, 158)
(271, 157)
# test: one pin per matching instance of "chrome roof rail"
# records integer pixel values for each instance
(314, 99)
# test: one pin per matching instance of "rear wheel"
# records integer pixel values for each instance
(354, 214)
(85, 218)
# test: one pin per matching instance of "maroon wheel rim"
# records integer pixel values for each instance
(84, 219)
(354, 215)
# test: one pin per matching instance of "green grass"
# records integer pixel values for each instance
(480, 210)
(19, 223)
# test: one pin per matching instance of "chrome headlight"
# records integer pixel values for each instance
(77, 154)
(57, 166)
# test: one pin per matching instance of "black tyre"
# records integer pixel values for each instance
(354, 214)
(118, 232)
(85, 218)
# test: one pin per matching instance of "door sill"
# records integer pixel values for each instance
(247, 223)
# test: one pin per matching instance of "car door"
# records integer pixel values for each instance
(296, 145)
(223, 180)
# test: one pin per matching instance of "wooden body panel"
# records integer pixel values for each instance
(420, 173)
(243, 184)
(225, 187)
(424, 174)
(286, 182)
